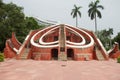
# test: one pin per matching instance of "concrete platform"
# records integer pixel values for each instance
(59, 70)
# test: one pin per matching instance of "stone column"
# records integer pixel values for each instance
(62, 55)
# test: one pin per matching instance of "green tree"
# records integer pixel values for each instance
(12, 19)
(117, 38)
(31, 23)
(105, 37)
(94, 12)
(75, 13)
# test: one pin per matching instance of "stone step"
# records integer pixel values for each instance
(62, 56)
(25, 54)
(99, 55)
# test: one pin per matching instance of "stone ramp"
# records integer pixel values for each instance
(23, 51)
(25, 54)
(99, 54)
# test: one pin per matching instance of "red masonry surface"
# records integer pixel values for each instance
(58, 42)
(13, 69)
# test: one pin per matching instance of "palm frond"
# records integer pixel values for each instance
(79, 13)
(96, 2)
(89, 14)
(79, 7)
(91, 4)
(75, 6)
(92, 16)
(100, 6)
(89, 11)
(73, 10)
(75, 14)
(99, 14)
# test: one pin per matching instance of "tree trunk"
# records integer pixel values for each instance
(96, 25)
(76, 21)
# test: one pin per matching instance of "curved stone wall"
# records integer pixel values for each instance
(61, 42)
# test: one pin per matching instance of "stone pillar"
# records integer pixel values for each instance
(62, 37)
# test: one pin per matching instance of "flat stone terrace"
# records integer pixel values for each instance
(59, 70)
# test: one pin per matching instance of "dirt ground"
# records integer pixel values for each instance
(12, 69)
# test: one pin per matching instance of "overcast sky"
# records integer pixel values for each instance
(59, 10)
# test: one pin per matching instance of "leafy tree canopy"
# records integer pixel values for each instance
(12, 19)
(105, 37)
(117, 38)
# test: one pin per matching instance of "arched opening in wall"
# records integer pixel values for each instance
(54, 54)
(70, 54)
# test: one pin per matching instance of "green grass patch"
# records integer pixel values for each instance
(118, 59)
(1, 57)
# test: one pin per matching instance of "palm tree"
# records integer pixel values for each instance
(94, 12)
(75, 13)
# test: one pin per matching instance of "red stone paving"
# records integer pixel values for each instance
(59, 70)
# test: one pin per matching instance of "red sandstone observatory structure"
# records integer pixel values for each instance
(57, 42)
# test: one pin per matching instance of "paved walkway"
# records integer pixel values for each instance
(59, 70)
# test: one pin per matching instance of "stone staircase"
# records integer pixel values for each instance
(62, 56)
(25, 54)
(99, 55)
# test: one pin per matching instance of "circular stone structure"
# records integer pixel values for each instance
(57, 42)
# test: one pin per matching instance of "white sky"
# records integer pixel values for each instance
(59, 10)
